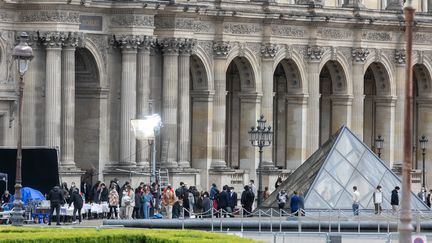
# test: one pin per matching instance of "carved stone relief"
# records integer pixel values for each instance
(241, 29)
(334, 34)
(203, 27)
(221, 48)
(207, 46)
(399, 56)
(359, 55)
(101, 42)
(123, 20)
(126, 41)
(376, 36)
(174, 23)
(314, 53)
(269, 50)
(290, 31)
(71, 17)
(422, 38)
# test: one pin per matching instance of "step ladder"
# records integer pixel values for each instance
(163, 177)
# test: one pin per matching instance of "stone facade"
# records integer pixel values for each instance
(210, 68)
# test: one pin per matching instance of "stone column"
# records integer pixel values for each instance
(296, 116)
(128, 45)
(143, 96)
(32, 110)
(220, 51)
(169, 153)
(394, 5)
(385, 126)
(184, 103)
(268, 51)
(341, 111)
(249, 114)
(314, 54)
(400, 105)
(53, 43)
(357, 119)
(67, 157)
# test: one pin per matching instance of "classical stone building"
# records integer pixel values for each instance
(210, 68)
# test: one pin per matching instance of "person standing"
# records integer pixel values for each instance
(147, 201)
(254, 190)
(395, 200)
(103, 193)
(138, 203)
(295, 204)
(355, 201)
(77, 200)
(224, 201)
(214, 196)
(113, 198)
(232, 200)
(168, 200)
(429, 198)
(423, 195)
(5, 197)
(301, 204)
(56, 197)
(247, 200)
(282, 198)
(378, 199)
(128, 201)
(207, 205)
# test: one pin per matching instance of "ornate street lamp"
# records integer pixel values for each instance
(423, 141)
(146, 129)
(23, 54)
(260, 136)
(378, 144)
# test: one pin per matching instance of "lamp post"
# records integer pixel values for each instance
(378, 144)
(23, 54)
(423, 141)
(260, 136)
(146, 129)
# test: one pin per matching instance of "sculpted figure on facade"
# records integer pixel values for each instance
(359, 55)
(221, 48)
(269, 50)
(314, 53)
(399, 56)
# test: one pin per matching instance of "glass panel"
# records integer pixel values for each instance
(350, 148)
(386, 204)
(363, 186)
(345, 201)
(371, 168)
(388, 183)
(339, 168)
(314, 201)
(328, 188)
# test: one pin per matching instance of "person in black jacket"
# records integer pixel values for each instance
(103, 196)
(77, 201)
(56, 198)
(224, 201)
(247, 200)
(232, 201)
(395, 200)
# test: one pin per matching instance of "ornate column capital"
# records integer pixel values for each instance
(221, 49)
(73, 40)
(170, 46)
(269, 50)
(311, 3)
(188, 47)
(359, 55)
(52, 39)
(147, 43)
(126, 42)
(399, 57)
(314, 53)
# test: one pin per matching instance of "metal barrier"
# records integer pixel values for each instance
(325, 221)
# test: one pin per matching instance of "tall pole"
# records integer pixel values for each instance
(423, 169)
(153, 143)
(405, 227)
(260, 182)
(17, 214)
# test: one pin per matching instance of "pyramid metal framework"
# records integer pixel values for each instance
(327, 177)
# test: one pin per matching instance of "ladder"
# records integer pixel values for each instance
(163, 177)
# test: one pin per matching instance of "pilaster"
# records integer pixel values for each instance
(399, 60)
(220, 52)
(143, 95)
(170, 49)
(385, 126)
(186, 49)
(296, 116)
(314, 55)
(268, 52)
(341, 111)
(359, 56)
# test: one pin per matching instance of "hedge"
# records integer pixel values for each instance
(91, 235)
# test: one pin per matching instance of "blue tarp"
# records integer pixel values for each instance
(30, 194)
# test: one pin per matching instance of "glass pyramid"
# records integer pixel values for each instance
(326, 178)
